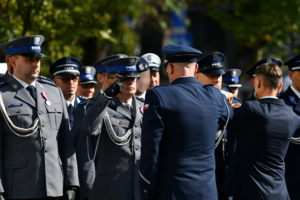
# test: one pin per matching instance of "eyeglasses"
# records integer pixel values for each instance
(67, 79)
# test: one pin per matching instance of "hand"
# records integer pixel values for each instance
(1, 196)
(229, 97)
(115, 88)
(236, 105)
(70, 193)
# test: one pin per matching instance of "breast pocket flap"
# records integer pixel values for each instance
(109, 169)
(19, 110)
(54, 108)
(14, 163)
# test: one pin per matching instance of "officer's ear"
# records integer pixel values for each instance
(13, 61)
(280, 86)
(196, 69)
(291, 73)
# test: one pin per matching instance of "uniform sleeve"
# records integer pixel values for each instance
(1, 175)
(226, 110)
(152, 131)
(86, 169)
(67, 150)
(92, 122)
(239, 119)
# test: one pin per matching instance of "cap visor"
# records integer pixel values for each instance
(34, 55)
(67, 74)
(214, 72)
(87, 82)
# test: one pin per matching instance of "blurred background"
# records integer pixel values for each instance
(244, 30)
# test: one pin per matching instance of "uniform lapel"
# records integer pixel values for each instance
(137, 110)
(120, 108)
(22, 94)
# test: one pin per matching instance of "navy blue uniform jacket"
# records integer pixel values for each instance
(292, 158)
(265, 128)
(178, 138)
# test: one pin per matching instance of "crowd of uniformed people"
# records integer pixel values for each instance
(192, 139)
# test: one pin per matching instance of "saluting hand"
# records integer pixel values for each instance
(236, 105)
(115, 88)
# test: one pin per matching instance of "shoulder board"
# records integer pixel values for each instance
(83, 103)
(140, 99)
(46, 81)
(3, 83)
(237, 99)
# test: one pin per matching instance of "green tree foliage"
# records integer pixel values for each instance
(267, 26)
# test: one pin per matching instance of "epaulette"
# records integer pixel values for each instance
(3, 83)
(140, 99)
(83, 103)
(46, 81)
(82, 97)
(237, 99)
(45, 78)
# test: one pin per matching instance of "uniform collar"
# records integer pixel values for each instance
(143, 96)
(24, 84)
(130, 103)
(279, 102)
(295, 91)
(72, 102)
(101, 92)
(185, 79)
(269, 97)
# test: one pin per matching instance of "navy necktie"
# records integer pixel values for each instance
(128, 107)
(32, 92)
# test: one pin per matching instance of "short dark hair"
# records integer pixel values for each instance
(271, 75)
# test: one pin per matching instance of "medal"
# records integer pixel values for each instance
(48, 103)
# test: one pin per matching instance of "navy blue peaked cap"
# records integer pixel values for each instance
(87, 74)
(212, 64)
(294, 63)
(251, 71)
(100, 68)
(121, 66)
(142, 65)
(231, 77)
(180, 54)
(66, 66)
(29, 46)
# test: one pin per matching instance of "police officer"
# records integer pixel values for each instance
(102, 75)
(144, 79)
(38, 157)
(251, 71)
(85, 149)
(231, 78)
(210, 71)
(86, 83)
(154, 64)
(117, 116)
(265, 128)
(292, 159)
(66, 73)
(177, 160)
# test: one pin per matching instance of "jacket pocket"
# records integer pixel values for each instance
(107, 182)
(55, 115)
(15, 176)
(21, 116)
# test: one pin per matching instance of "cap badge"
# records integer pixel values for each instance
(37, 40)
(15, 86)
(121, 56)
(141, 66)
(233, 73)
(68, 60)
(269, 60)
(131, 61)
(88, 70)
(149, 57)
(215, 56)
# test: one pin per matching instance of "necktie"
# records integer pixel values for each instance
(32, 92)
(128, 107)
(70, 112)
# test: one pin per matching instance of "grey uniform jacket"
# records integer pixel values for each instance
(117, 174)
(36, 166)
(5, 77)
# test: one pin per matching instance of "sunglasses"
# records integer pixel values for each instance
(67, 79)
(126, 80)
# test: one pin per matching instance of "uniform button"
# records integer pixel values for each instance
(46, 150)
(40, 112)
(135, 125)
(120, 123)
(43, 125)
(226, 140)
(45, 138)
(145, 191)
(136, 148)
(226, 168)
(18, 111)
(135, 137)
